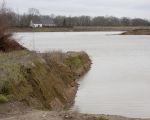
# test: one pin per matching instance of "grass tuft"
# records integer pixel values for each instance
(102, 118)
(3, 99)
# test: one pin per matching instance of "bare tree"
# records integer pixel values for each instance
(33, 12)
(3, 7)
(140, 22)
(125, 21)
(3, 11)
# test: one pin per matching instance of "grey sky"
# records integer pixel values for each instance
(119, 8)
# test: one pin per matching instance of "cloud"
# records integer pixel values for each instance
(119, 8)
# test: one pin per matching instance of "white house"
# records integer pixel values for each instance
(42, 23)
(35, 24)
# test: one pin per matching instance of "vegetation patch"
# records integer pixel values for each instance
(102, 118)
(3, 99)
(73, 62)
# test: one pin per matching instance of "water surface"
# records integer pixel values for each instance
(119, 80)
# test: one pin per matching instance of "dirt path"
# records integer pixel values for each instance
(47, 115)
(20, 111)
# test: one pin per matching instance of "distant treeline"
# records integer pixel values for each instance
(23, 20)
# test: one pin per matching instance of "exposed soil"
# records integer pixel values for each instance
(7, 43)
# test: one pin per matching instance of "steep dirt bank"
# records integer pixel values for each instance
(137, 32)
(7, 43)
(41, 81)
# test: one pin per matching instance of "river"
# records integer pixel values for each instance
(119, 80)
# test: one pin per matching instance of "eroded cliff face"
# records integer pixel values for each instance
(43, 81)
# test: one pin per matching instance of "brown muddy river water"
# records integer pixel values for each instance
(119, 80)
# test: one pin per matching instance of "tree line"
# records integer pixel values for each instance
(15, 19)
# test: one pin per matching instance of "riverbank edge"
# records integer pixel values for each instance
(137, 32)
(77, 29)
(20, 110)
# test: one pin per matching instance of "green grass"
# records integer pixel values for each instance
(74, 62)
(3, 99)
(12, 55)
(102, 118)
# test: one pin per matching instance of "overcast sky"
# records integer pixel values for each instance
(119, 8)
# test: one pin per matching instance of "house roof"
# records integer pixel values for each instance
(47, 21)
(42, 21)
(36, 21)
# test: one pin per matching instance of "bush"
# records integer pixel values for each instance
(3, 99)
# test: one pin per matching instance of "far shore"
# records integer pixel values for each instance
(77, 29)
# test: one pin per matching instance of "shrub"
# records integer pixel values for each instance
(3, 99)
